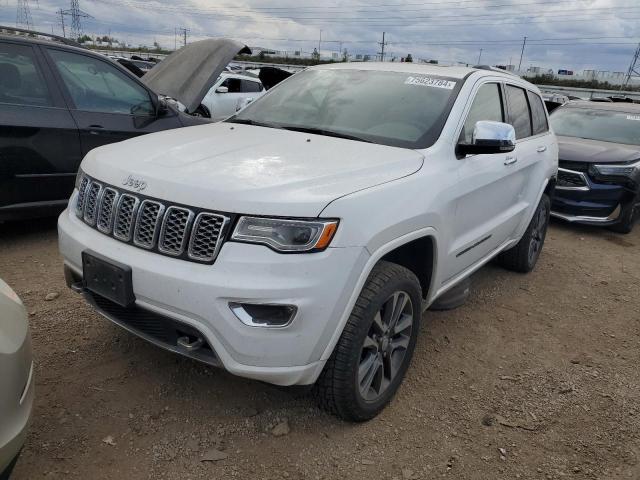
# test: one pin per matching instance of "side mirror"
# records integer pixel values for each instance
(222, 90)
(161, 107)
(488, 138)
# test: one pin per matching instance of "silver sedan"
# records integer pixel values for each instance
(16, 378)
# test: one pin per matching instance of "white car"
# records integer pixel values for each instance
(16, 378)
(299, 242)
(231, 93)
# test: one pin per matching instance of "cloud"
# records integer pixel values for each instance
(573, 34)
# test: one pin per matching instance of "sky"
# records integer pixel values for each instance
(569, 34)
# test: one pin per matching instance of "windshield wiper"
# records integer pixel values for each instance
(248, 121)
(322, 131)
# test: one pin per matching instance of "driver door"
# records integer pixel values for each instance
(107, 104)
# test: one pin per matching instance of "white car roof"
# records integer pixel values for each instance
(404, 67)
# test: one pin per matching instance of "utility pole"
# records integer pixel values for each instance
(184, 35)
(23, 15)
(634, 68)
(479, 57)
(524, 43)
(382, 45)
(319, 44)
(175, 39)
(64, 31)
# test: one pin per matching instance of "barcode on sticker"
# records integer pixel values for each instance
(430, 82)
(633, 117)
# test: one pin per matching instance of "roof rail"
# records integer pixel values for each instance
(16, 31)
(495, 69)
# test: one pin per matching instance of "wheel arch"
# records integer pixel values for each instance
(397, 248)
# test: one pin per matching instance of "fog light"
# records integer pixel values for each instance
(264, 315)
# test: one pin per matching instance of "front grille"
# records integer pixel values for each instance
(571, 179)
(174, 230)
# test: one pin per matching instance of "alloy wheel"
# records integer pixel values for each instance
(385, 346)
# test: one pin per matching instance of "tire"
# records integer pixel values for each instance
(627, 220)
(367, 355)
(6, 474)
(202, 111)
(523, 257)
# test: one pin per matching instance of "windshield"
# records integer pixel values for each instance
(603, 125)
(389, 108)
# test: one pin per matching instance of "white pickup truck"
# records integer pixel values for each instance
(299, 241)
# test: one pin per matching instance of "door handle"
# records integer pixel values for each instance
(94, 129)
(510, 160)
(542, 149)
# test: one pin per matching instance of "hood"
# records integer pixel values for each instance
(271, 76)
(574, 149)
(189, 73)
(247, 169)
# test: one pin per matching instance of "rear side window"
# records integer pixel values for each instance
(233, 84)
(97, 86)
(487, 105)
(538, 114)
(519, 114)
(250, 86)
(21, 81)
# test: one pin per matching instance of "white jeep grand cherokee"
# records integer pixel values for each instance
(300, 241)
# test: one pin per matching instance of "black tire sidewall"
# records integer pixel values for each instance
(544, 203)
(366, 409)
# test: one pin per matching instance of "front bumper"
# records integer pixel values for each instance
(318, 284)
(592, 204)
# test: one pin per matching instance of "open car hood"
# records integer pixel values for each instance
(189, 73)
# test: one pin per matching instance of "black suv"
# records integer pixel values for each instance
(599, 174)
(58, 101)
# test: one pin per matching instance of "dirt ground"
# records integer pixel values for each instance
(535, 377)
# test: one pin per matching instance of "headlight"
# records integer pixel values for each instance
(617, 170)
(285, 235)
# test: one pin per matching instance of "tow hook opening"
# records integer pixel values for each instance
(190, 342)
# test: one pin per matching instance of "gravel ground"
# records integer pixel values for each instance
(535, 377)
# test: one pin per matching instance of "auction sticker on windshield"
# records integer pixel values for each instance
(430, 82)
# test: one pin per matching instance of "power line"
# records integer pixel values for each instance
(76, 15)
(634, 68)
(23, 15)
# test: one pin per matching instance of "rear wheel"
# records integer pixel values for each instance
(372, 356)
(524, 256)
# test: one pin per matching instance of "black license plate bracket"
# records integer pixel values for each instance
(107, 278)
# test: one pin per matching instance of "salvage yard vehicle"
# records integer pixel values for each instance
(299, 242)
(599, 175)
(16, 378)
(231, 92)
(58, 101)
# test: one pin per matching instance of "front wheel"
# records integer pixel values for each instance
(372, 356)
(524, 256)
(626, 221)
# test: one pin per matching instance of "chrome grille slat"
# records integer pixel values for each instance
(147, 223)
(108, 201)
(91, 203)
(181, 232)
(173, 236)
(82, 191)
(205, 236)
(123, 225)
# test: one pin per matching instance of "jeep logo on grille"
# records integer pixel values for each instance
(135, 183)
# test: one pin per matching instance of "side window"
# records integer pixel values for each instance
(538, 114)
(21, 81)
(249, 86)
(97, 86)
(487, 105)
(519, 114)
(233, 84)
